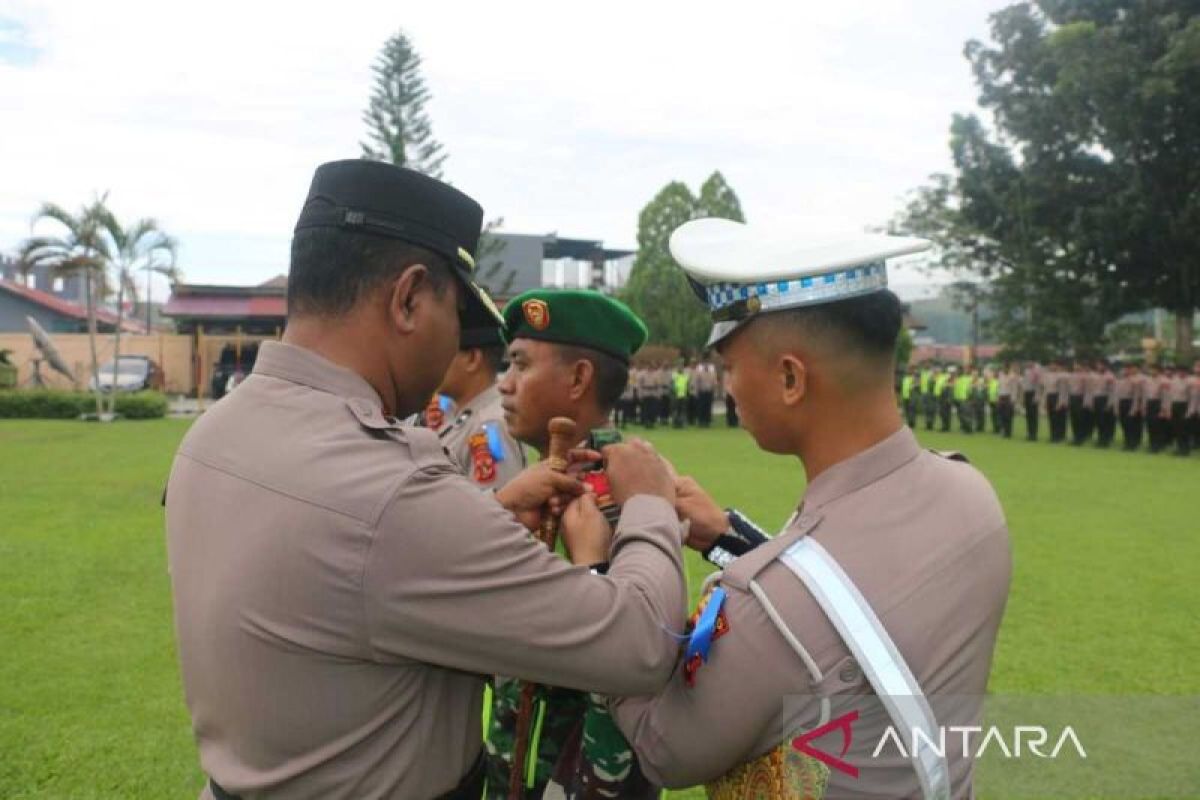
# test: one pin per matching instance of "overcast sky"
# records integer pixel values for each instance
(556, 116)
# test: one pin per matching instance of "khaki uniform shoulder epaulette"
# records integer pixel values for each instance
(952, 455)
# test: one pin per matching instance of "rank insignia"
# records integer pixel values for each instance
(483, 465)
(708, 624)
(537, 314)
(435, 412)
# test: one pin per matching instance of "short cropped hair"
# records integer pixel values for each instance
(493, 356)
(610, 374)
(867, 326)
(333, 268)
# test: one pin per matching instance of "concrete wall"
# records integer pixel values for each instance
(171, 352)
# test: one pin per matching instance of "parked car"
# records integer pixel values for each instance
(229, 365)
(130, 374)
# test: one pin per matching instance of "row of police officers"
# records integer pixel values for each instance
(1086, 402)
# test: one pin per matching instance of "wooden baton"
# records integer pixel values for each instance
(562, 439)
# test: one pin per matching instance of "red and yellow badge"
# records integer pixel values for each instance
(537, 314)
(483, 466)
(434, 416)
(720, 627)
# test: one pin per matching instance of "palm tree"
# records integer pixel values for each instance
(80, 249)
(143, 245)
(169, 271)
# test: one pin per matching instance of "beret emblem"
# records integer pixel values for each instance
(537, 314)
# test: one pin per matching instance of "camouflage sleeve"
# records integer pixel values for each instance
(606, 754)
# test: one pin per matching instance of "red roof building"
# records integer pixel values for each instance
(53, 313)
(252, 310)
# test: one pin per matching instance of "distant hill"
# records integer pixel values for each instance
(945, 323)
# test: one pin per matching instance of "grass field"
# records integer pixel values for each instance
(1105, 594)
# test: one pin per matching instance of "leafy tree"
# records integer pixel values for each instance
(399, 130)
(717, 199)
(658, 290)
(1083, 204)
(904, 348)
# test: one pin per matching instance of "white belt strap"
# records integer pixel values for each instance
(876, 654)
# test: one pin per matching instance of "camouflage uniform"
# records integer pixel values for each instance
(577, 751)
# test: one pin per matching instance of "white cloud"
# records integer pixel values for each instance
(556, 116)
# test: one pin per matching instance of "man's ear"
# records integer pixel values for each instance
(407, 293)
(474, 360)
(583, 373)
(793, 378)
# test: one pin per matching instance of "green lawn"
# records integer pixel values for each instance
(1104, 597)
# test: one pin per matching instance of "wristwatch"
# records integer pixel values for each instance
(741, 537)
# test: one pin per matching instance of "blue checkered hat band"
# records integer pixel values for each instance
(809, 290)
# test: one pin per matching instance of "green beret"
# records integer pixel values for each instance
(577, 317)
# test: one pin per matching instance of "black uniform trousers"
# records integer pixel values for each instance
(1106, 421)
(1004, 413)
(704, 401)
(1180, 430)
(929, 405)
(910, 409)
(1031, 416)
(649, 409)
(1157, 429)
(1057, 417)
(1131, 426)
(1081, 422)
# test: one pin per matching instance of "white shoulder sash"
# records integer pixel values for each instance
(876, 654)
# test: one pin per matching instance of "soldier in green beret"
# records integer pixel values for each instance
(568, 357)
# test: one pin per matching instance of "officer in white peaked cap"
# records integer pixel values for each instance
(880, 599)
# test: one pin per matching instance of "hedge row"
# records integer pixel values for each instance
(56, 404)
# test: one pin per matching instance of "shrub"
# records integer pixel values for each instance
(142, 405)
(58, 404)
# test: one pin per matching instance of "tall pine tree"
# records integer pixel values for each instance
(399, 130)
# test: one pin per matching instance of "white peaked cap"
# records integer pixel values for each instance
(741, 270)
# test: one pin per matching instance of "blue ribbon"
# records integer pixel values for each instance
(706, 626)
(444, 403)
(495, 441)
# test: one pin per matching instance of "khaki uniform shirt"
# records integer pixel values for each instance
(1076, 383)
(1056, 383)
(645, 383)
(1177, 390)
(1010, 385)
(1031, 381)
(925, 541)
(1194, 406)
(1100, 384)
(340, 588)
(466, 440)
